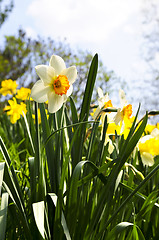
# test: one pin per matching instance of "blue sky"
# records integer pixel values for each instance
(110, 28)
(113, 29)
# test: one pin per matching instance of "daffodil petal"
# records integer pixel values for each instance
(100, 92)
(39, 92)
(57, 63)
(147, 159)
(122, 97)
(69, 91)
(55, 102)
(46, 73)
(118, 117)
(70, 73)
(96, 112)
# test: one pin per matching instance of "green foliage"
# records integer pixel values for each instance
(68, 185)
(5, 10)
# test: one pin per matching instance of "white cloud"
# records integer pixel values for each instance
(84, 20)
(30, 32)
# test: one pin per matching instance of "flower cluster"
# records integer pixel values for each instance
(56, 85)
(120, 121)
(15, 109)
(53, 88)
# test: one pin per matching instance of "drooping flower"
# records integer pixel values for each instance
(23, 93)
(8, 87)
(15, 110)
(55, 84)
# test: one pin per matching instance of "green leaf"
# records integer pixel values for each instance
(74, 113)
(86, 106)
(29, 133)
(63, 220)
(38, 210)
(2, 165)
(50, 153)
(3, 214)
(123, 226)
(89, 89)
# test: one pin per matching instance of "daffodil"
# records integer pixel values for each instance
(149, 128)
(55, 84)
(23, 93)
(126, 109)
(149, 147)
(15, 110)
(103, 102)
(8, 87)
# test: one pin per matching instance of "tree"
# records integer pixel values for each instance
(5, 10)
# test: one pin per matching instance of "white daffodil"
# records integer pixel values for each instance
(55, 84)
(103, 102)
(124, 112)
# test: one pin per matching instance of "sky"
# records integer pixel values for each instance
(111, 28)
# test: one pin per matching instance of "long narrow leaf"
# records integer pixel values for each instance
(2, 165)
(3, 214)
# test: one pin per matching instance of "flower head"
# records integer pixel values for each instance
(15, 110)
(55, 84)
(149, 147)
(125, 111)
(8, 87)
(23, 93)
(103, 102)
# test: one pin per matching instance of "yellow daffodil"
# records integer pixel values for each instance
(23, 93)
(8, 87)
(15, 110)
(39, 115)
(55, 84)
(112, 127)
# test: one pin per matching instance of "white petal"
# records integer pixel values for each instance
(46, 73)
(70, 73)
(39, 92)
(55, 102)
(145, 138)
(122, 97)
(96, 112)
(57, 63)
(100, 92)
(103, 100)
(118, 117)
(155, 132)
(69, 91)
(147, 159)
